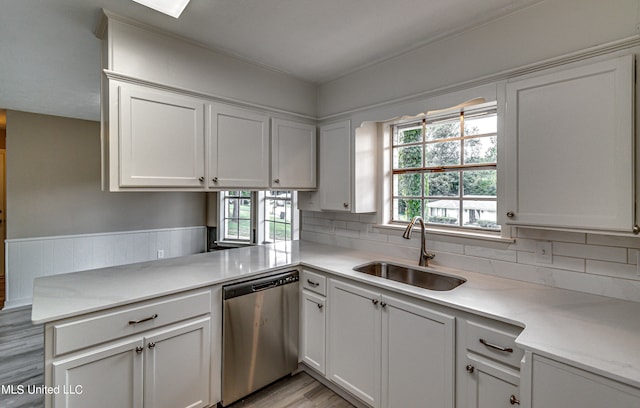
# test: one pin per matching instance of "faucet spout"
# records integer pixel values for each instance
(424, 255)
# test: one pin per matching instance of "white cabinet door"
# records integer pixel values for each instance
(417, 356)
(313, 331)
(335, 166)
(354, 340)
(489, 384)
(238, 148)
(103, 377)
(161, 139)
(293, 155)
(570, 148)
(558, 385)
(177, 366)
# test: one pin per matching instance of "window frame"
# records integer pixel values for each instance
(257, 218)
(491, 108)
(262, 197)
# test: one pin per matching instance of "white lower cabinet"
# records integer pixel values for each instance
(389, 352)
(167, 368)
(313, 330)
(155, 354)
(103, 377)
(554, 384)
(488, 364)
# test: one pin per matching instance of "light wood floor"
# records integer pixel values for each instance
(298, 391)
(22, 363)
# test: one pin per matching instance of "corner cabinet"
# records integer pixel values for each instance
(347, 169)
(293, 155)
(570, 148)
(156, 139)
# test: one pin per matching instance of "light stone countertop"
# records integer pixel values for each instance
(597, 333)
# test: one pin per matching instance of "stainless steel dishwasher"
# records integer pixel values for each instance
(260, 333)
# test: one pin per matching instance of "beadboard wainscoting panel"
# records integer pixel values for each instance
(592, 263)
(30, 258)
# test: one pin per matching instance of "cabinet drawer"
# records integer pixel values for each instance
(496, 344)
(105, 326)
(314, 282)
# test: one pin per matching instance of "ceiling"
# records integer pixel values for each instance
(50, 57)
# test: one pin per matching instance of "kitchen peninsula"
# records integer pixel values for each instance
(591, 339)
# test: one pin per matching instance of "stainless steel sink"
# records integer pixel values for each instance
(422, 278)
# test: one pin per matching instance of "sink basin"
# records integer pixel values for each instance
(414, 276)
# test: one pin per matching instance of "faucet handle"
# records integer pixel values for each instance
(429, 255)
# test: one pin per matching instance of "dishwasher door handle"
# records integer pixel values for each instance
(263, 286)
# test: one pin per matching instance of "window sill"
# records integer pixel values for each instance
(480, 235)
(233, 244)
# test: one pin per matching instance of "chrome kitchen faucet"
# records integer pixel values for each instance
(424, 255)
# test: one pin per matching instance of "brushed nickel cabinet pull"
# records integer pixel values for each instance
(139, 349)
(496, 347)
(312, 283)
(470, 369)
(375, 301)
(143, 320)
(514, 400)
(152, 345)
(320, 306)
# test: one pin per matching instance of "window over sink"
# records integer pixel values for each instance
(443, 168)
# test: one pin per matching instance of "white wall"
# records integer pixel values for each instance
(58, 218)
(165, 59)
(546, 30)
(467, 65)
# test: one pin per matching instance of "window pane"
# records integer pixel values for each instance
(480, 125)
(407, 185)
(445, 212)
(480, 150)
(445, 153)
(443, 130)
(445, 184)
(407, 157)
(408, 135)
(479, 183)
(404, 210)
(480, 214)
(244, 229)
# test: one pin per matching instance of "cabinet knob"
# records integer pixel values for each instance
(375, 301)
(139, 349)
(201, 179)
(636, 229)
(215, 179)
(514, 400)
(383, 304)
(510, 214)
(320, 306)
(470, 368)
(346, 205)
(276, 181)
(152, 345)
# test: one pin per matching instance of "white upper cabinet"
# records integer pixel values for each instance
(570, 148)
(238, 148)
(158, 137)
(335, 166)
(347, 170)
(293, 155)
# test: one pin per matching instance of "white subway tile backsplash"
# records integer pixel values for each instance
(27, 259)
(591, 263)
